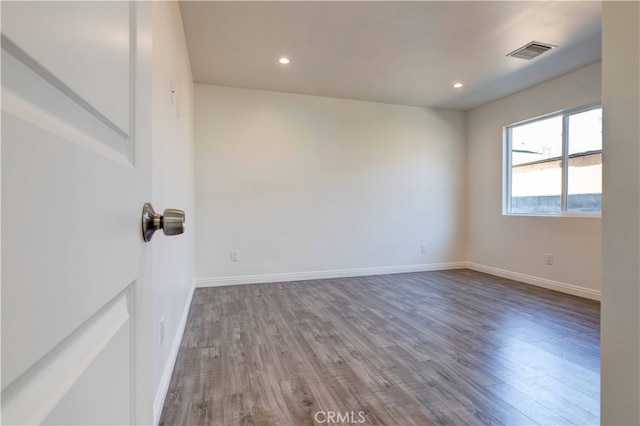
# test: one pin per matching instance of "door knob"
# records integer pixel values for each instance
(171, 222)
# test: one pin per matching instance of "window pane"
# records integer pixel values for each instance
(584, 192)
(536, 174)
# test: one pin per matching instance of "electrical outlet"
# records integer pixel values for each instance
(234, 255)
(162, 330)
(549, 259)
(423, 248)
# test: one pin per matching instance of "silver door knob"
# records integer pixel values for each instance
(171, 222)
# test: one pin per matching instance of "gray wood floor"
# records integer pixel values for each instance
(449, 347)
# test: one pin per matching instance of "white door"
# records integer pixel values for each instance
(74, 179)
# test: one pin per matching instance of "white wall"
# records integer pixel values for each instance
(620, 345)
(300, 183)
(172, 187)
(515, 246)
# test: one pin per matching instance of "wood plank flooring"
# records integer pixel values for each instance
(449, 347)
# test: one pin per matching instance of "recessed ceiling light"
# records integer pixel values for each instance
(284, 61)
(457, 85)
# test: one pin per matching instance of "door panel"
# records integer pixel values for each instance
(68, 219)
(84, 44)
(72, 197)
(111, 370)
(47, 102)
(96, 354)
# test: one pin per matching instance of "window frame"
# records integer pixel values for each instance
(507, 160)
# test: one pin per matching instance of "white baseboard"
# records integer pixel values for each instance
(163, 387)
(537, 281)
(317, 275)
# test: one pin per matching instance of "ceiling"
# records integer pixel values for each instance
(408, 53)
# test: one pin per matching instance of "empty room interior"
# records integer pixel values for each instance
(377, 213)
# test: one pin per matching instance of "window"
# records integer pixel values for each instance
(536, 180)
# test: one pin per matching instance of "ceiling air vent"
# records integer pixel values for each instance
(531, 50)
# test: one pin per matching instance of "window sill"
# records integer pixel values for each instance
(571, 215)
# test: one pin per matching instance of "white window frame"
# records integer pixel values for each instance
(506, 159)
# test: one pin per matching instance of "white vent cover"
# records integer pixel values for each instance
(531, 50)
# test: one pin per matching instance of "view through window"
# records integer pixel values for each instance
(538, 181)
